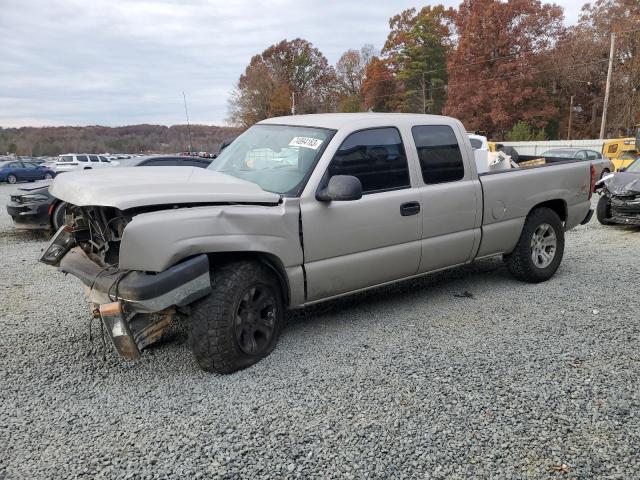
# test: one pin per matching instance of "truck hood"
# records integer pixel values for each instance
(131, 187)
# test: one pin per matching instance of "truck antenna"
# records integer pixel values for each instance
(186, 112)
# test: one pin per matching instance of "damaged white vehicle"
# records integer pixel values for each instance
(298, 210)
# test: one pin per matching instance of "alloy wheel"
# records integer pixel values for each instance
(543, 245)
(255, 319)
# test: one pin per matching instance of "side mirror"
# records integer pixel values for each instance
(341, 188)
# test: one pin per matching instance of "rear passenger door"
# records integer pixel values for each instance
(356, 244)
(450, 195)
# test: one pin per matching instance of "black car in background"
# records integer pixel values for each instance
(32, 206)
(166, 161)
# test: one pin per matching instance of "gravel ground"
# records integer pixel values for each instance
(413, 381)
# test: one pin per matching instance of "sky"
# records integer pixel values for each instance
(123, 62)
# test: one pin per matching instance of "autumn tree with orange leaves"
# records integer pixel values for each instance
(495, 79)
(380, 88)
(287, 72)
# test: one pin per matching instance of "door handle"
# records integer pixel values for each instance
(409, 208)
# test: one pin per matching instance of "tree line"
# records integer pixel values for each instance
(507, 68)
(52, 141)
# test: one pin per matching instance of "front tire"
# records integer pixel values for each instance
(239, 323)
(603, 210)
(57, 216)
(12, 179)
(540, 248)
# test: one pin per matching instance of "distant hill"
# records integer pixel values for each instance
(52, 141)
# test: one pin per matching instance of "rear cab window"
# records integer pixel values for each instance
(375, 156)
(439, 153)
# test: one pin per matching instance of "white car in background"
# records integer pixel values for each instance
(83, 161)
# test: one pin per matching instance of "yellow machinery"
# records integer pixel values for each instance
(622, 151)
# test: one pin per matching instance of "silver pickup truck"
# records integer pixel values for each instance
(299, 210)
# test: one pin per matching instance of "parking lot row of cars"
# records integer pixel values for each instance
(31, 206)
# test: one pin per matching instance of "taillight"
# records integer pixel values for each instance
(592, 186)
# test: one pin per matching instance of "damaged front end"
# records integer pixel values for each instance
(136, 307)
(622, 191)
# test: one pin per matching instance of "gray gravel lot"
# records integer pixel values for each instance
(412, 381)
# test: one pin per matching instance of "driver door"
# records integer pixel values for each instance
(350, 245)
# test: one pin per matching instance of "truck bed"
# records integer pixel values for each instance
(509, 195)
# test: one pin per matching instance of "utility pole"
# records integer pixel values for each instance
(608, 87)
(570, 118)
(424, 96)
(188, 125)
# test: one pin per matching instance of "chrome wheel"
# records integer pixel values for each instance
(255, 320)
(543, 245)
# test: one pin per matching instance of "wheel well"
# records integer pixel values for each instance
(267, 259)
(52, 209)
(558, 206)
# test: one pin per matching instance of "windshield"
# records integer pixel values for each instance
(559, 153)
(277, 157)
(634, 167)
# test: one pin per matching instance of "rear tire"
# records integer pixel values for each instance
(12, 179)
(239, 323)
(48, 176)
(540, 248)
(603, 210)
(604, 172)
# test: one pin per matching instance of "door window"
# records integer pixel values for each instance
(582, 155)
(376, 157)
(591, 155)
(104, 159)
(29, 166)
(82, 158)
(439, 153)
(93, 158)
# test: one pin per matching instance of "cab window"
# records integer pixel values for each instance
(439, 153)
(376, 157)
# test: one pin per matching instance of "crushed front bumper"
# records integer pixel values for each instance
(135, 307)
(142, 292)
(625, 210)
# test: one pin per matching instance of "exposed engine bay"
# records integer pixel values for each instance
(98, 231)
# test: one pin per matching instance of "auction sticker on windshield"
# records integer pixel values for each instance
(306, 142)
